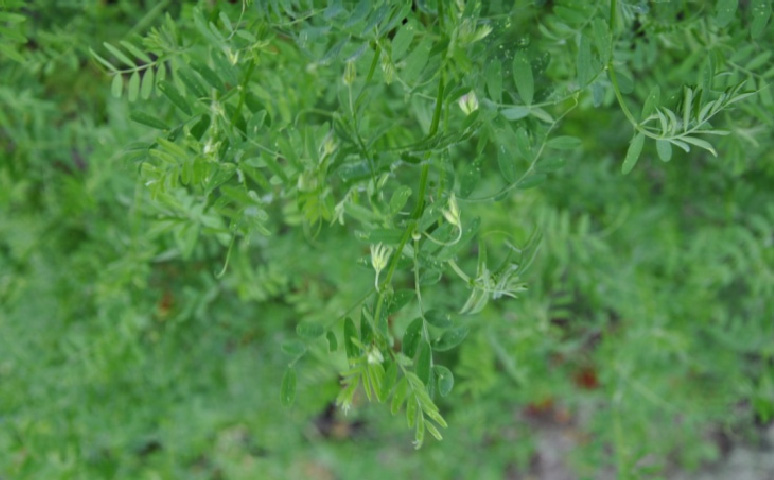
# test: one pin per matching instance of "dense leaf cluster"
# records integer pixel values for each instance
(344, 192)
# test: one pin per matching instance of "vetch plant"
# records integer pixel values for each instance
(413, 203)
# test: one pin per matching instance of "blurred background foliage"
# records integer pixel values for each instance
(645, 337)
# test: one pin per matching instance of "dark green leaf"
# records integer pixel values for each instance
(424, 360)
(333, 344)
(411, 337)
(726, 12)
(494, 80)
(149, 120)
(522, 77)
(170, 91)
(450, 339)
(350, 332)
(366, 332)
(438, 319)
(586, 67)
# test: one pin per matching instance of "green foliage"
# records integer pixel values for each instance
(220, 209)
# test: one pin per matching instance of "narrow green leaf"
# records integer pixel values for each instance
(171, 92)
(401, 392)
(633, 154)
(586, 70)
(135, 51)
(411, 337)
(424, 360)
(564, 142)
(664, 149)
(399, 199)
(288, 389)
(117, 85)
(119, 55)
(209, 75)
(416, 61)
(148, 79)
(350, 332)
(506, 164)
(134, 86)
(450, 339)
(522, 77)
(102, 60)
(445, 379)
(402, 41)
(603, 39)
(309, 330)
(366, 331)
(701, 144)
(651, 103)
(149, 120)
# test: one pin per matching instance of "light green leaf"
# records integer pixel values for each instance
(664, 149)
(309, 330)
(288, 389)
(515, 113)
(293, 347)
(134, 86)
(416, 61)
(603, 39)
(135, 51)
(564, 142)
(402, 41)
(146, 88)
(119, 55)
(522, 77)
(445, 379)
(117, 85)
(651, 103)
(701, 144)
(633, 154)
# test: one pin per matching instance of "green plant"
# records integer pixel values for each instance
(365, 172)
